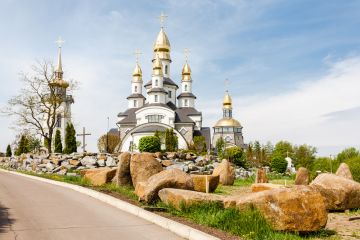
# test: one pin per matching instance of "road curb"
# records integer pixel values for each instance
(179, 229)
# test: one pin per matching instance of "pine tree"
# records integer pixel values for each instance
(8, 151)
(70, 139)
(22, 146)
(171, 142)
(58, 144)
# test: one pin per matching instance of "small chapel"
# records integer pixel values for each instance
(161, 103)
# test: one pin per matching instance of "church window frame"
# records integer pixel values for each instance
(136, 89)
(170, 93)
(156, 83)
(154, 118)
(156, 98)
(183, 131)
(58, 120)
(186, 102)
(135, 103)
(166, 69)
(185, 88)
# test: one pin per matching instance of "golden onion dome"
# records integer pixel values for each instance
(227, 102)
(157, 66)
(228, 122)
(162, 45)
(137, 73)
(59, 83)
(186, 72)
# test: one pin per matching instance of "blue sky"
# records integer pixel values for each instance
(293, 66)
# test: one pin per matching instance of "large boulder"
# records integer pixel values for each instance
(143, 166)
(122, 176)
(339, 193)
(344, 171)
(174, 178)
(298, 209)
(179, 197)
(101, 176)
(259, 187)
(226, 173)
(261, 176)
(201, 182)
(302, 176)
(88, 161)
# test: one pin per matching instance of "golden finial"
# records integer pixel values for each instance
(162, 18)
(137, 54)
(59, 42)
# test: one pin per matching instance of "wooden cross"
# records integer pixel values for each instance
(186, 53)
(137, 54)
(83, 135)
(59, 42)
(162, 18)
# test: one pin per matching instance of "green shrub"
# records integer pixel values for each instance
(279, 164)
(149, 144)
(8, 151)
(171, 140)
(235, 155)
(200, 144)
(23, 146)
(354, 165)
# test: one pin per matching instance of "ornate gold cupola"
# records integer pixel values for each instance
(186, 72)
(227, 102)
(157, 66)
(58, 80)
(137, 73)
(162, 43)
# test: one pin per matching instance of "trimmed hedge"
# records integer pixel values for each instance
(149, 144)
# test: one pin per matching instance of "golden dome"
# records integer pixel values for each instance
(157, 66)
(227, 102)
(137, 73)
(186, 72)
(228, 122)
(60, 83)
(162, 45)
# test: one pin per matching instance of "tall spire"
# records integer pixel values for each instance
(59, 42)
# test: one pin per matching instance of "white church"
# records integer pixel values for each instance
(164, 105)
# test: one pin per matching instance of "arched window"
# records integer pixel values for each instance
(186, 103)
(166, 69)
(136, 89)
(156, 98)
(185, 88)
(58, 120)
(156, 82)
(135, 103)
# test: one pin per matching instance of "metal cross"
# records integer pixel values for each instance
(60, 42)
(186, 53)
(227, 83)
(137, 54)
(83, 135)
(162, 18)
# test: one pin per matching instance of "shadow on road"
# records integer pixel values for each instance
(5, 221)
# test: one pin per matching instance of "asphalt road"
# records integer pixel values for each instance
(33, 210)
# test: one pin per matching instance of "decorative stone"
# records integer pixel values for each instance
(101, 176)
(88, 161)
(179, 197)
(143, 166)
(339, 193)
(167, 163)
(259, 187)
(101, 163)
(261, 176)
(74, 162)
(110, 162)
(174, 178)
(123, 176)
(201, 182)
(297, 209)
(344, 171)
(302, 176)
(226, 173)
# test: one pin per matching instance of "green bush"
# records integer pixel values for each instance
(235, 155)
(149, 144)
(8, 151)
(354, 165)
(279, 164)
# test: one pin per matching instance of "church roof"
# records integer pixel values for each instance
(186, 95)
(130, 117)
(167, 81)
(135, 95)
(182, 115)
(150, 129)
(157, 90)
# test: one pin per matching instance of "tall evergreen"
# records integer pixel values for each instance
(70, 139)
(58, 144)
(22, 146)
(8, 151)
(171, 141)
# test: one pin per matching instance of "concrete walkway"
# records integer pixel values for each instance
(33, 210)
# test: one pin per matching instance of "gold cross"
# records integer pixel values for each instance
(59, 42)
(137, 54)
(162, 18)
(186, 53)
(227, 83)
